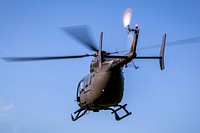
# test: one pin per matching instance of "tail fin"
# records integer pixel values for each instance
(162, 49)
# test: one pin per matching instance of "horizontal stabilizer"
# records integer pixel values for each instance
(160, 57)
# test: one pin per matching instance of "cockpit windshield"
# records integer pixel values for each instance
(83, 85)
(80, 89)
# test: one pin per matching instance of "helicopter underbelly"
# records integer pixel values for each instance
(107, 90)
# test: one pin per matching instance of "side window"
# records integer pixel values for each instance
(88, 80)
(80, 87)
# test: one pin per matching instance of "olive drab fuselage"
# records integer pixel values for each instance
(103, 87)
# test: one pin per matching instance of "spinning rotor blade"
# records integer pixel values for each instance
(14, 59)
(127, 17)
(81, 34)
(175, 43)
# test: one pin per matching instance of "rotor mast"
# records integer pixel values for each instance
(100, 57)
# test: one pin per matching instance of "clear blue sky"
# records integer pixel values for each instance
(39, 96)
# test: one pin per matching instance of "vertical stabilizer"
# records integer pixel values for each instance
(162, 49)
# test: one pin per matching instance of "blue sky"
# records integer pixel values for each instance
(39, 96)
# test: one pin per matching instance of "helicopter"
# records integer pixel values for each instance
(103, 87)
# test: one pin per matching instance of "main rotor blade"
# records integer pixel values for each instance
(14, 59)
(174, 43)
(81, 34)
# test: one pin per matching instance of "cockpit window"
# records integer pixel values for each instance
(80, 89)
(81, 86)
(88, 80)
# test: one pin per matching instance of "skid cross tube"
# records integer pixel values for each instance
(78, 115)
(114, 111)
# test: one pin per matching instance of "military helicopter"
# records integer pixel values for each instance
(103, 87)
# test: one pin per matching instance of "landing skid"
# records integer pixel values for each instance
(114, 111)
(79, 113)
